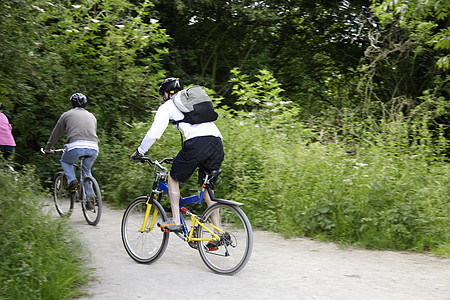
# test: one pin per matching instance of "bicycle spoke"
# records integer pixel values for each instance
(231, 253)
(148, 245)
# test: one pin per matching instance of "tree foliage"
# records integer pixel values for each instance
(417, 15)
(313, 49)
(109, 50)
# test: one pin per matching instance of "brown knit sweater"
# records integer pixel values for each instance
(78, 123)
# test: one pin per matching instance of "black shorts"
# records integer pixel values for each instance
(205, 152)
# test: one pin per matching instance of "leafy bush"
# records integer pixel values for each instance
(375, 188)
(40, 257)
(376, 198)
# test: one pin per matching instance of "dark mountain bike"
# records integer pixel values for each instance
(65, 199)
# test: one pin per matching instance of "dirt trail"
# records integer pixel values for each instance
(278, 268)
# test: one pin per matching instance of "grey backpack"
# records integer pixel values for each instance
(195, 104)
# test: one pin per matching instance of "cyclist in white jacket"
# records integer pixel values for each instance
(202, 148)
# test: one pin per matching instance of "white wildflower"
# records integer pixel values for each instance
(361, 164)
(38, 8)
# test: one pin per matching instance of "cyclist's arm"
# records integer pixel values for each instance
(57, 132)
(163, 115)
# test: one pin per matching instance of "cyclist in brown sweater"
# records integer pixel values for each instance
(81, 128)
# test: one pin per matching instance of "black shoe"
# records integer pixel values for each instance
(170, 225)
(89, 204)
(72, 185)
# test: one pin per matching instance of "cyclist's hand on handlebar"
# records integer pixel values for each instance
(49, 152)
(136, 157)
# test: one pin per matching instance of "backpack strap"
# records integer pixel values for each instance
(181, 134)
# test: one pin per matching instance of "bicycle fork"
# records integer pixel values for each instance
(147, 213)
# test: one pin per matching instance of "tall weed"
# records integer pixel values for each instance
(378, 196)
(40, 257)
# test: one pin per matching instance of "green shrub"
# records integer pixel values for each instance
(380, 195)
(40, 257)
(370, 196)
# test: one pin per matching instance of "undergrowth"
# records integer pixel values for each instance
(293, 183)
(40, 257)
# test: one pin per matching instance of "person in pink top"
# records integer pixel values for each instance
(7, 143)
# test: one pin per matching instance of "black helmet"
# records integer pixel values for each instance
(78, 100)
(170, 85)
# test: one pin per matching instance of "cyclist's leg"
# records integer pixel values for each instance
(6, 151)
(183, 166)
(67, 160)
(212, 160)
(174, 197)
(87, 164)
(88, 161)
(215, 217)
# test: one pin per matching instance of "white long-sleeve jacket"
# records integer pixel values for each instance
(167, 112)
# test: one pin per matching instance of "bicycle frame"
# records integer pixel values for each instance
(82, 175)
(160, 186)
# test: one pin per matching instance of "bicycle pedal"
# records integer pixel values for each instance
(165, 230)
(213, 248)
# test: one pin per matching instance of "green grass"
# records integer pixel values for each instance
(40, 257)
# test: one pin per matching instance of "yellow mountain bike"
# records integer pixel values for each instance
(225, 248)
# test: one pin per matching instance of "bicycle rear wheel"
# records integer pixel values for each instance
(92, 211)
(144, 243)
(235, 247)
(64, 200)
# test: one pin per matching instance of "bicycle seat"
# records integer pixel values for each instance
(85, 156)
(215, 173)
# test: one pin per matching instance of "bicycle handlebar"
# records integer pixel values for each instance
(55, 150)
(157, 163)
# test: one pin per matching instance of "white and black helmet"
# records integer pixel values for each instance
(78, 100)
(170, 85)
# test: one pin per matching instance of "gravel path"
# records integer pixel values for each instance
(279, 268)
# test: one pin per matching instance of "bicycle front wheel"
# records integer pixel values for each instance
(143, 240)
(232, 252)
(64, 200)
(91, 203)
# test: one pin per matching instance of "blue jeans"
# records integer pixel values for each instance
(70, 157)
